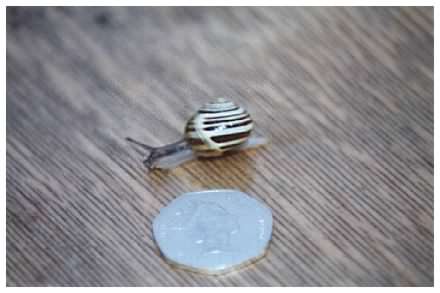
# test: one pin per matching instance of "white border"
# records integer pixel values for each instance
(3, 134)
(194, 3)
(216, 3)
(436, 147)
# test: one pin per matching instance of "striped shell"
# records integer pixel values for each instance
(218, 127)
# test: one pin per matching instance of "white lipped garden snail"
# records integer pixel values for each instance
(216, 128)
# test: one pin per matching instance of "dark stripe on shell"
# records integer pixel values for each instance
(205, 111)
(230, 137)
(228, 126)
(231, 146)
(225, 116)
(225, 120)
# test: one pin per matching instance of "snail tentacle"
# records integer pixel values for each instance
(156, 153)
(147, 147)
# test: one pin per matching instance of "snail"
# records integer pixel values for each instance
(216, 128)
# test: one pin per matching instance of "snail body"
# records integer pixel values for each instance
(217, 127)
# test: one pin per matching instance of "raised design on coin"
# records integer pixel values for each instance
(214, 231)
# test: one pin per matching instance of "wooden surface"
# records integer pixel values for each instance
(345, 95)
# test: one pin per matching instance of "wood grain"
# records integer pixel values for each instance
(344, 94)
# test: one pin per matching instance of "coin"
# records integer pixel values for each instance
(213, 231)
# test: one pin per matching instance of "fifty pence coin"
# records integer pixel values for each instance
(213, 231)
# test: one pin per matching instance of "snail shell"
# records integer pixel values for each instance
(218, 127)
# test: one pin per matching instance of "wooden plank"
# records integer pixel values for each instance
(344, 94)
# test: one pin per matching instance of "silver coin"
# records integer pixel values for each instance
(213, 231)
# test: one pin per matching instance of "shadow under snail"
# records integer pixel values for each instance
(216, 128)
